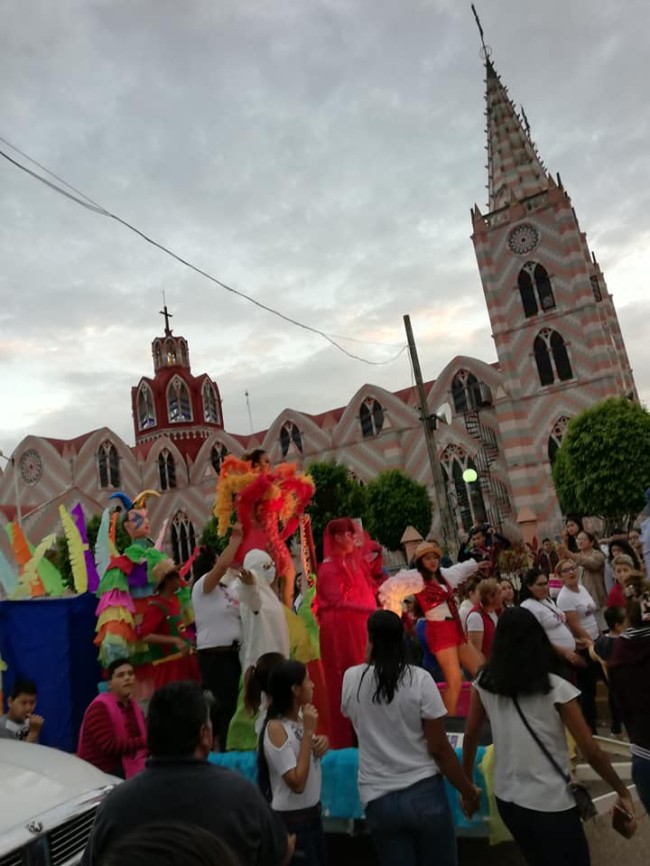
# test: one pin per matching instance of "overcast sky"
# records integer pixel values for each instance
(320, 155)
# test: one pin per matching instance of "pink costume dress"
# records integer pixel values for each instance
(345, 598)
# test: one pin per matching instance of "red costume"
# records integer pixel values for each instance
(488, 630)
(345, 598)
(443, 633)
(163, 616)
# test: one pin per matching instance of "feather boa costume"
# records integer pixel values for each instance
(267, 502)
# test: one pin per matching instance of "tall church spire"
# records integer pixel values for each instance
(515, 171)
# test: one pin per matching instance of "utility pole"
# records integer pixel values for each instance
(440, 501)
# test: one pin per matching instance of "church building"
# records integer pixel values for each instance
(559, 348)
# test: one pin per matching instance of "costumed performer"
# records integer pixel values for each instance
(268, 502)
(169, 656)
(127, 582)
(433, 588)
(264, 630)
(345, 598)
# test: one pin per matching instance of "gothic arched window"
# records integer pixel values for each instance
(556, 437)
(551, 357)
(108, 462)
(371, 416)
(183, 537)
(185, 358)
(210, 403)
(157, 355)
(527, 292)
(167, 470)
(170, 353)
(543, 358)
(217, 455)
(146, 409)
(464, 391)
(561, 357)
(179, 407)
(465, 498)
(290, 434)
(535, 289)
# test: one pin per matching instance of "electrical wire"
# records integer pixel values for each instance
(78, 197)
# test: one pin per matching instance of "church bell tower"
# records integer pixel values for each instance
(554, 324)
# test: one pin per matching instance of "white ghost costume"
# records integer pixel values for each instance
(263, 617)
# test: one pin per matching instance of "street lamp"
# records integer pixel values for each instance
(11, 460)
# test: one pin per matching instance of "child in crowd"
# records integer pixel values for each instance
(623, 567)
(20, 722)
(601, 651)
(288, 758)
(256, 687)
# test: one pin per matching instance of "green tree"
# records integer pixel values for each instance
(603, 465)
(210, 537)
(396, 501)
(337, 494)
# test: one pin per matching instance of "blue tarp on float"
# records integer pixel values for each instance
(50, 641)
(339, 792)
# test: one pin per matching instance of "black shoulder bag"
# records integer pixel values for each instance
(581, 795)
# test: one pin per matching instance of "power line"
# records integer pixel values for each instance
(93, 206)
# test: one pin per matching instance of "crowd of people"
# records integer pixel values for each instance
(398, 651)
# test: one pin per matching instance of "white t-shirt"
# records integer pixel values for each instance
(553, 621)
(393, 752)
(464, 611)
(475, 621)
(285, 758)
(216, 615)
(522, 772)
(584, 605)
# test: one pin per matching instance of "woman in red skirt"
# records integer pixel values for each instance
(433, 588)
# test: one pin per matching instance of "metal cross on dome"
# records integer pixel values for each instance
(164, 312)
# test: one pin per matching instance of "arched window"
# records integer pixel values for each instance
(561, 357)
(551, 357)
(157, 355)
(210, 403)
(543, 359)
(217, 456)
(109, 465)
(146, 409)
(556, 437)
(179, 407)
(535, 289)
(371, 416)
(170, 353)
(466, 499)
(185, 358)
(183, 537)
(527, 292)
(290, 434)
(468, 393)
(166, 470)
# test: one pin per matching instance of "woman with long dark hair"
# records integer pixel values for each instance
(404, 752)
(572, 526)
(288, 760)
(433, 588)
(529, 708)
(536, 599)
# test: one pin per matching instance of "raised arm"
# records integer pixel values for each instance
(459, 573)
(224, 561)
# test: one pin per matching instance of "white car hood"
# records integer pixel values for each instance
(36, 779)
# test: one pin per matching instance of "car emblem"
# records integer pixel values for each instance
(35, 827)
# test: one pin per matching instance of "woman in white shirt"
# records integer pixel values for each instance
(288, 760)
(397, 713)
(528, 706)
(576, 602)
(219, 635)
(536, 599)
